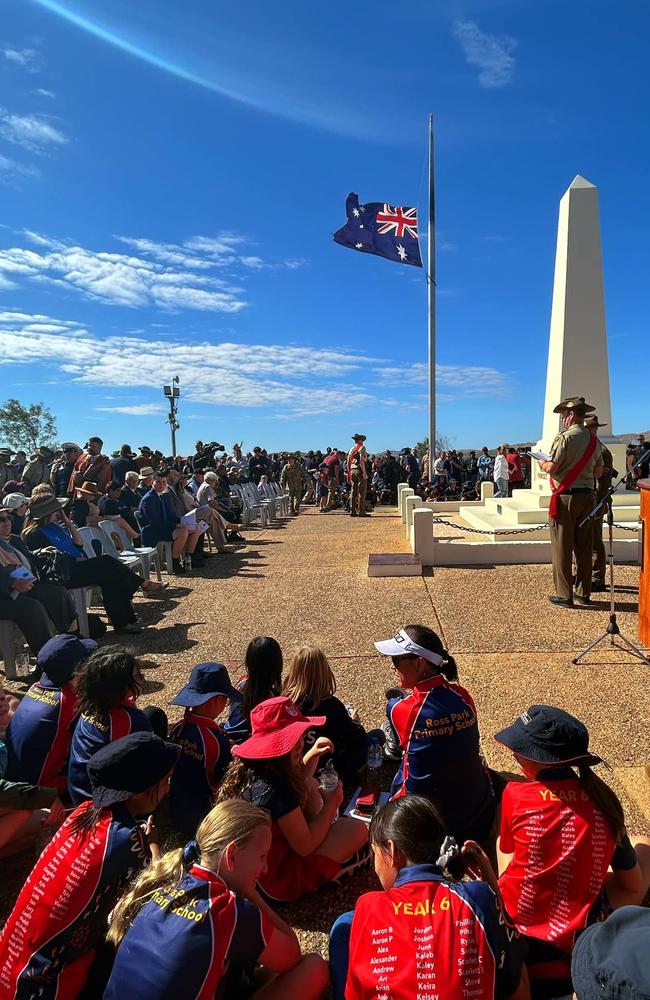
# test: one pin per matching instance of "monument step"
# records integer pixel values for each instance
(514, 511)
(504, 530)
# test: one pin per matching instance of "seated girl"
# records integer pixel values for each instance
(49, 945)
(272, 771)
(565, 859)
(194, 924)
(437, 729)
(427, 934)
(311, 685)
(263, 680)
(108, 684)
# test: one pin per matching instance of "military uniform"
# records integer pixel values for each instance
(599, 559)
(568, 538)
(293, 478)
(358, 476)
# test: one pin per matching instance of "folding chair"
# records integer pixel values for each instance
(107, 547)
(162, 548)
(146, 554)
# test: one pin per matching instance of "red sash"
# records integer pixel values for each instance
(351, 457)
(570, 478)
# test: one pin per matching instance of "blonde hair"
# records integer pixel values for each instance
(231, 822)
(42, 490)
(310, 678)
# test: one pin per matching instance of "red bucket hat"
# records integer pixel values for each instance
(276, 726)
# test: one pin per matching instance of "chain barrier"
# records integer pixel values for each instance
(508, 531)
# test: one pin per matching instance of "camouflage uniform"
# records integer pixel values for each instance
(293, 477)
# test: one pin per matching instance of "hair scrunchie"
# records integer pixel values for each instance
(449, 850)
(191, 853)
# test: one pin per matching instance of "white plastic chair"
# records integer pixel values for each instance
(164, 549)
(257, 504)
(146, 554)
(107, 547)
(281, 496)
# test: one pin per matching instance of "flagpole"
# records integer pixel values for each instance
(431, 283)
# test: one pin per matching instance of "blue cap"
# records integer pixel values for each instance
(60, 655)
(610, 959)
(206, 681)
(128, 766)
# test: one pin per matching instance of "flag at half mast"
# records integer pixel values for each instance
(389, 231)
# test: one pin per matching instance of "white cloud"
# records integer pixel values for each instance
(11, 170)
(32, 132)
(138, 410)
(493, 55)
(45, 93)
(28, 59)
(465, 380)
(205, 252)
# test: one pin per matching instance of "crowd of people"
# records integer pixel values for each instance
(488, 885)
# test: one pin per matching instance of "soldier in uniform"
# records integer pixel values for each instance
(293, 478)
(603, 484)
(358, 476)
(574, 462)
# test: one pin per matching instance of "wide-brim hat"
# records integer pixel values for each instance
(592, 421)
(42, 506)
(548, 735)
(128, 766)
(276, 726)
(146, 472)
(13, 501)
(70, 446)
(358, 437)
(6, 453)
(206, 681)
(90, 489)
(44, 452)
(575, 403)
(610, 959)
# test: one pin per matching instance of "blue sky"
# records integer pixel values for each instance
(171, 175)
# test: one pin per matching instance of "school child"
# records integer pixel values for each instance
(562, 831)
(323, 487)
(311, 685)
(194, 925)
(39, 735)
(437, 729)
(263, 680)
(427, 934)
(108, 684)
(49, 943)
(205, 748)
(272, 771)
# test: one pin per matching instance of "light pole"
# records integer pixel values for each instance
(172, 393)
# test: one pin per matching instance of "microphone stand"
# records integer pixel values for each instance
(612, 630)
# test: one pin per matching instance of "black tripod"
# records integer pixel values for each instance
(612, 630)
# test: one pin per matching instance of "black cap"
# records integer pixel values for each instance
(548, 735)
(610, 959)
(61, 654)
(129, 766)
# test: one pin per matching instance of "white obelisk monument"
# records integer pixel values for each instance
(578, 364)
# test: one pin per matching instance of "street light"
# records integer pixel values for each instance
(172, 393)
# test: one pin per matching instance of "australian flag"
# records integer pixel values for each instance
(386, 230)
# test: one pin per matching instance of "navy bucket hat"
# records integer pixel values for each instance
(548, 735)
(610, 959)
(59, 657)
(206, 681)
(129, 766)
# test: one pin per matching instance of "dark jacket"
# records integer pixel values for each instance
(157, 518)
(5, 571)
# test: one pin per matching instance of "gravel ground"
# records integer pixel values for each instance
(304, 580)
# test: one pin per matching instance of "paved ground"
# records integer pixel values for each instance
(304, 580)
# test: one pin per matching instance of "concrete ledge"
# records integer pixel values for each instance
(455, 552)
(394, 564)
(405, 492)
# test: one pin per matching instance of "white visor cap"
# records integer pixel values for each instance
(402, 644)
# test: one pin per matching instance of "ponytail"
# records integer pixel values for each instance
(426, 637)
(606, 800)
(161, 874)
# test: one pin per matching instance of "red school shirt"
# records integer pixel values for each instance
(562, 846)
(429, 938)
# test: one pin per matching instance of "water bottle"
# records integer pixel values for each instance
(329, 780)
(374, 759)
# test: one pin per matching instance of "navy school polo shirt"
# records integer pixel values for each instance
(90, 735)
(187, 941)
(437, 728)
(432, 939)
(201, 766)
(39, 735)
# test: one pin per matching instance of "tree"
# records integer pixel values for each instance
(27, 427)
(442, 444)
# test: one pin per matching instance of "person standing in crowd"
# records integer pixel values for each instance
(516, 475)
(162, 953)
(437, 729)
(52, 943)
(575, 460)
(5, 471)
(108, 684)
(643, 452)
(272, 771)
(160, 523)
(258, 465)
(501, 473)
(62, 469)
(449, 937)
(603, 484)
(471, 471)
(391, 474)
(40, 732)
(293, 478)
(358, 476)
(91, 466)
(205, 749)
(484, 464)
(565, 859)
(332, 462)
(123, 463)
(411, 468)
(37, 470)
(263, 662)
